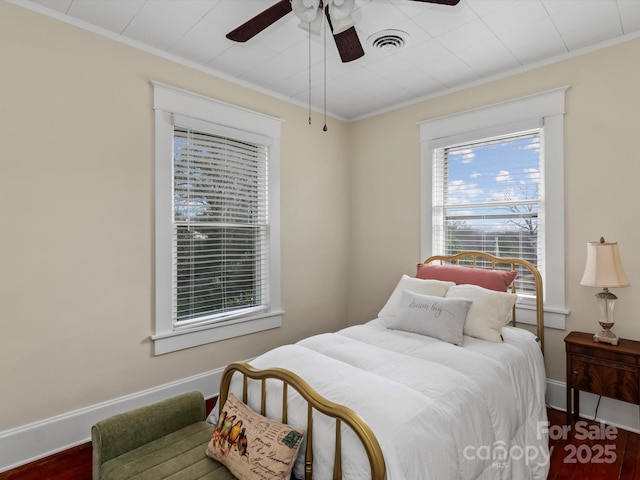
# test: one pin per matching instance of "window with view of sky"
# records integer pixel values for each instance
(492, 179)
(487, 196)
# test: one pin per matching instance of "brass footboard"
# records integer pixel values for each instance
(314, 402)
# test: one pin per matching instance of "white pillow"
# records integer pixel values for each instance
(435, 288)
(489, 312)
(438, 317)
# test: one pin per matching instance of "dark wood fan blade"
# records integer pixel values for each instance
(348, 42)
(440, 2)
(349, 45)
(254, 26)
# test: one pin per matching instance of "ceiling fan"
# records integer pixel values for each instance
(337, 12)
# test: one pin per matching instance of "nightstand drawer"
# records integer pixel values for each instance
(609, 379)
(616, 356)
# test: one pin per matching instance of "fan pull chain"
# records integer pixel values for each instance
(324, 129)
(309, 36)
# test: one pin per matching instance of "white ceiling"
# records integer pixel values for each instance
(448, 47)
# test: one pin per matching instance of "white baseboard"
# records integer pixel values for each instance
(612, 412)
(31, 442)
(40, 439)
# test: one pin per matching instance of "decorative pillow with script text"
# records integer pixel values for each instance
(252, 446)
(437, 317)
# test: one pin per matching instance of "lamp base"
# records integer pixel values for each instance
(606, 336)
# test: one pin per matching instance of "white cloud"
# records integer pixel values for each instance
(533, 174)
(467, 155)
(503, 176)
(461, 192)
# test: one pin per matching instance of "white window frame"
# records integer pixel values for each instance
(170, 101)
(545, 110)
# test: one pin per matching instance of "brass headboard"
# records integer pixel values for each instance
(470, 259)
(314, 402)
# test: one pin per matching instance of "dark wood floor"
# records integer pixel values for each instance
(594, 453)
(72, 464)
(591, 456)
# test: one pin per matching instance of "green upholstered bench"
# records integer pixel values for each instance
(167, 439)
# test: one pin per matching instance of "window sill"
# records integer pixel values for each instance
(553, 317)
(193, 337)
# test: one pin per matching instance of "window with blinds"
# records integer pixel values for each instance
(220, 227)
(487, 197)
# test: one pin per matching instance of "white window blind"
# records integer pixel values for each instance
(217, 220)
(220, 225)
(487, 197)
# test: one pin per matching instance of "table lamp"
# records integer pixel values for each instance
(603, 269)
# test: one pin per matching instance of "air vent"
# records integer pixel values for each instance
(388, 40)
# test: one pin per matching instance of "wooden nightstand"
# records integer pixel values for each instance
(602, 369)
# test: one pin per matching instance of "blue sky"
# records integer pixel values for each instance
(495, 177)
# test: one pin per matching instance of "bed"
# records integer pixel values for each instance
(380, 400)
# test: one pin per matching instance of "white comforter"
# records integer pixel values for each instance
(439, 411)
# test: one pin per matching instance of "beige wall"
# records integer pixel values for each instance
(602, 167)
(76, 186)
(76, 183)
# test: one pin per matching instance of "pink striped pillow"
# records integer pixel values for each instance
(498, 280)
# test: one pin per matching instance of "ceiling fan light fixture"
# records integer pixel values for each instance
(306, 10)
(342, 25)
(314, 26)
(340, 13)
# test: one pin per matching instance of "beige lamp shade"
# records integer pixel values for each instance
(603, 268)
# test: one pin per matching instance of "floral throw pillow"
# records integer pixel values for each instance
(252, 446)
